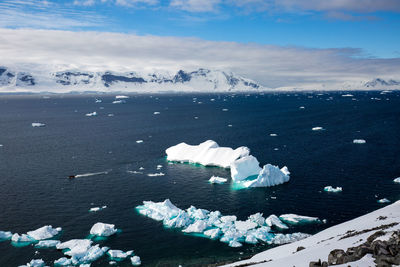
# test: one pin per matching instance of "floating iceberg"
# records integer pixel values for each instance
(21, 238)
(273, 220)
(208, 153)
(397, 180)
(245, 225)
(47, 244)
(98, 101)
(347, 95)
(317, 128)
(135, 260)
(103, 229)
(81, 251)
(5, 235)
(244, 167)
(333, 189)
(359, 141)
(156, 174)
(270, 175)
(156, 112)
(121, 97)
(44, 232)
(95, 209)
(118, 101)
(384, 200)
(217, 180)
(197, 227)
(139, 141)
(63, 262)
(213, 233)
(119, 254)
(35, 263)
(38, 124)
(297, 219)
(257, 218)
(94, 113)
(273, 135)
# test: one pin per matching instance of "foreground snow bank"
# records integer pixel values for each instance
(343, 236)
(211, 224)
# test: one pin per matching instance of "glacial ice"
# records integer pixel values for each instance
(38, 124)
(21, 238)
(245, 225)
(44, 232)
(257, 218)
(135, 260)
(270, 175)
(273, 220)
(244, 167)
(35, 263)
(5, 235)
(63, 262)
(47, 244)
(119, 254)
(94, 113)
(103, 229)
(383, 200)
(217, 180)
(333, 189)
(81, 251)
(359, 141)
(297, 219)
(213, 233)
(197, 227)
(208, 153)
(397, 180)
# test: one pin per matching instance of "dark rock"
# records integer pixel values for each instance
(300, 248)
(337, 256)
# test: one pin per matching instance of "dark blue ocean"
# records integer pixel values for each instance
(35, 164)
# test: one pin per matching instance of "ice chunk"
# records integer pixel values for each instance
(318, 128)
(63, 262)
(21, 238)
(333, 189)
(273, 135)
(245, 225)
(44, 232)
(159, 211)
(270, 175)
(94, 113)
(257, 218)
(359, 141)
(208, 153)
(228, 218)
(5, 235)
(179, 221)
(38, 124)
(103, 229)
(213, 233)
(75, 246)
(155, 174)
(302, 107)
(347, 95)
(139, 141)
(90, 255)
(383, 200)
(196, 227)
(297, 219)
(217, 180)
(280, 239)
(47, 243)
(263, 234)
(244, 167)
(197, 214)
(118, 101)
(156, 112)
(121, 97)
(95, 209)
(90, 174)
(98, 101)
(135, 260)
(36, 263)
(273, 220)
(397, 180)
(119, 254)
(234, 244)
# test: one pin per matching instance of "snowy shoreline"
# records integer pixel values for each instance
(342, 236)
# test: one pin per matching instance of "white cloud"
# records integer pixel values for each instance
(272, 66)
(196, 5)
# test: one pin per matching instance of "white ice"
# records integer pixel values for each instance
(270, 175)
(217, 180)
(47, 243)
(139, 141)
(94, 113)
(44, 232)
(81, 251)
(244, 167)
(156, 112)
(197, 227)
(103, 229)
(318, 128)
(38, 124)
(119, 254)
(95, 209)
(297, 219)
(5, 235)
(121, 97)
(397, 180)
(383, 200)
(118, 102)
(347, 95)
(359, 141)
(273, 220)
(213, 233)
(21, 238)
(156, 174)
(35, 263)
(90, 174)
(135, 260)
(63, 262)
(245, 225)
(329, 188)
(208, 153)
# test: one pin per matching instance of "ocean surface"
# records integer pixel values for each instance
(35, 163)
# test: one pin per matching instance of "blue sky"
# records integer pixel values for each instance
(278, 43)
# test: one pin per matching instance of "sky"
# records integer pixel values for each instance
(276, 42)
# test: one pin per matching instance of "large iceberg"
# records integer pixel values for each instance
(244, 167)
(208, 153)
(81, 251)
(103, 229)
(270, 175)
(119, 254)
(44, 232)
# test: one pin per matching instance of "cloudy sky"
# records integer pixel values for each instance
(279, 43)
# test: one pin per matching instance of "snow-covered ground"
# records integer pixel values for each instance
(348, 234)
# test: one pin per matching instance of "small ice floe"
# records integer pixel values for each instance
(89, 174)
(38, 124)
(81, 252)
(134, 172)
(333, 189)
(229, 125)
(156, 113)
(110, 115)
(224, 109)
(159, 167)
(1, 145)
(47, 244)
(347, 95)
(141, 168)
(135, 260)
(383, 200)
(276, 149)
(103, 229)
(139, 141)
(96, 209)
(302, 107)
(294, 219)
(23, 238)
(98, 101)
(318, 128)
(34, 263)
(217, 180)
(5, 235)
(397, 180)
(212, 99)
(274, 221)
(118, 102)
(273, 134)
(359, 141)
(121, 97)
(196, 118)
(94, 113)
(44, 232)
(119, 254)
(156, 174)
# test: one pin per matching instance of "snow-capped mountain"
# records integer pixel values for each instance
(201, 80)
